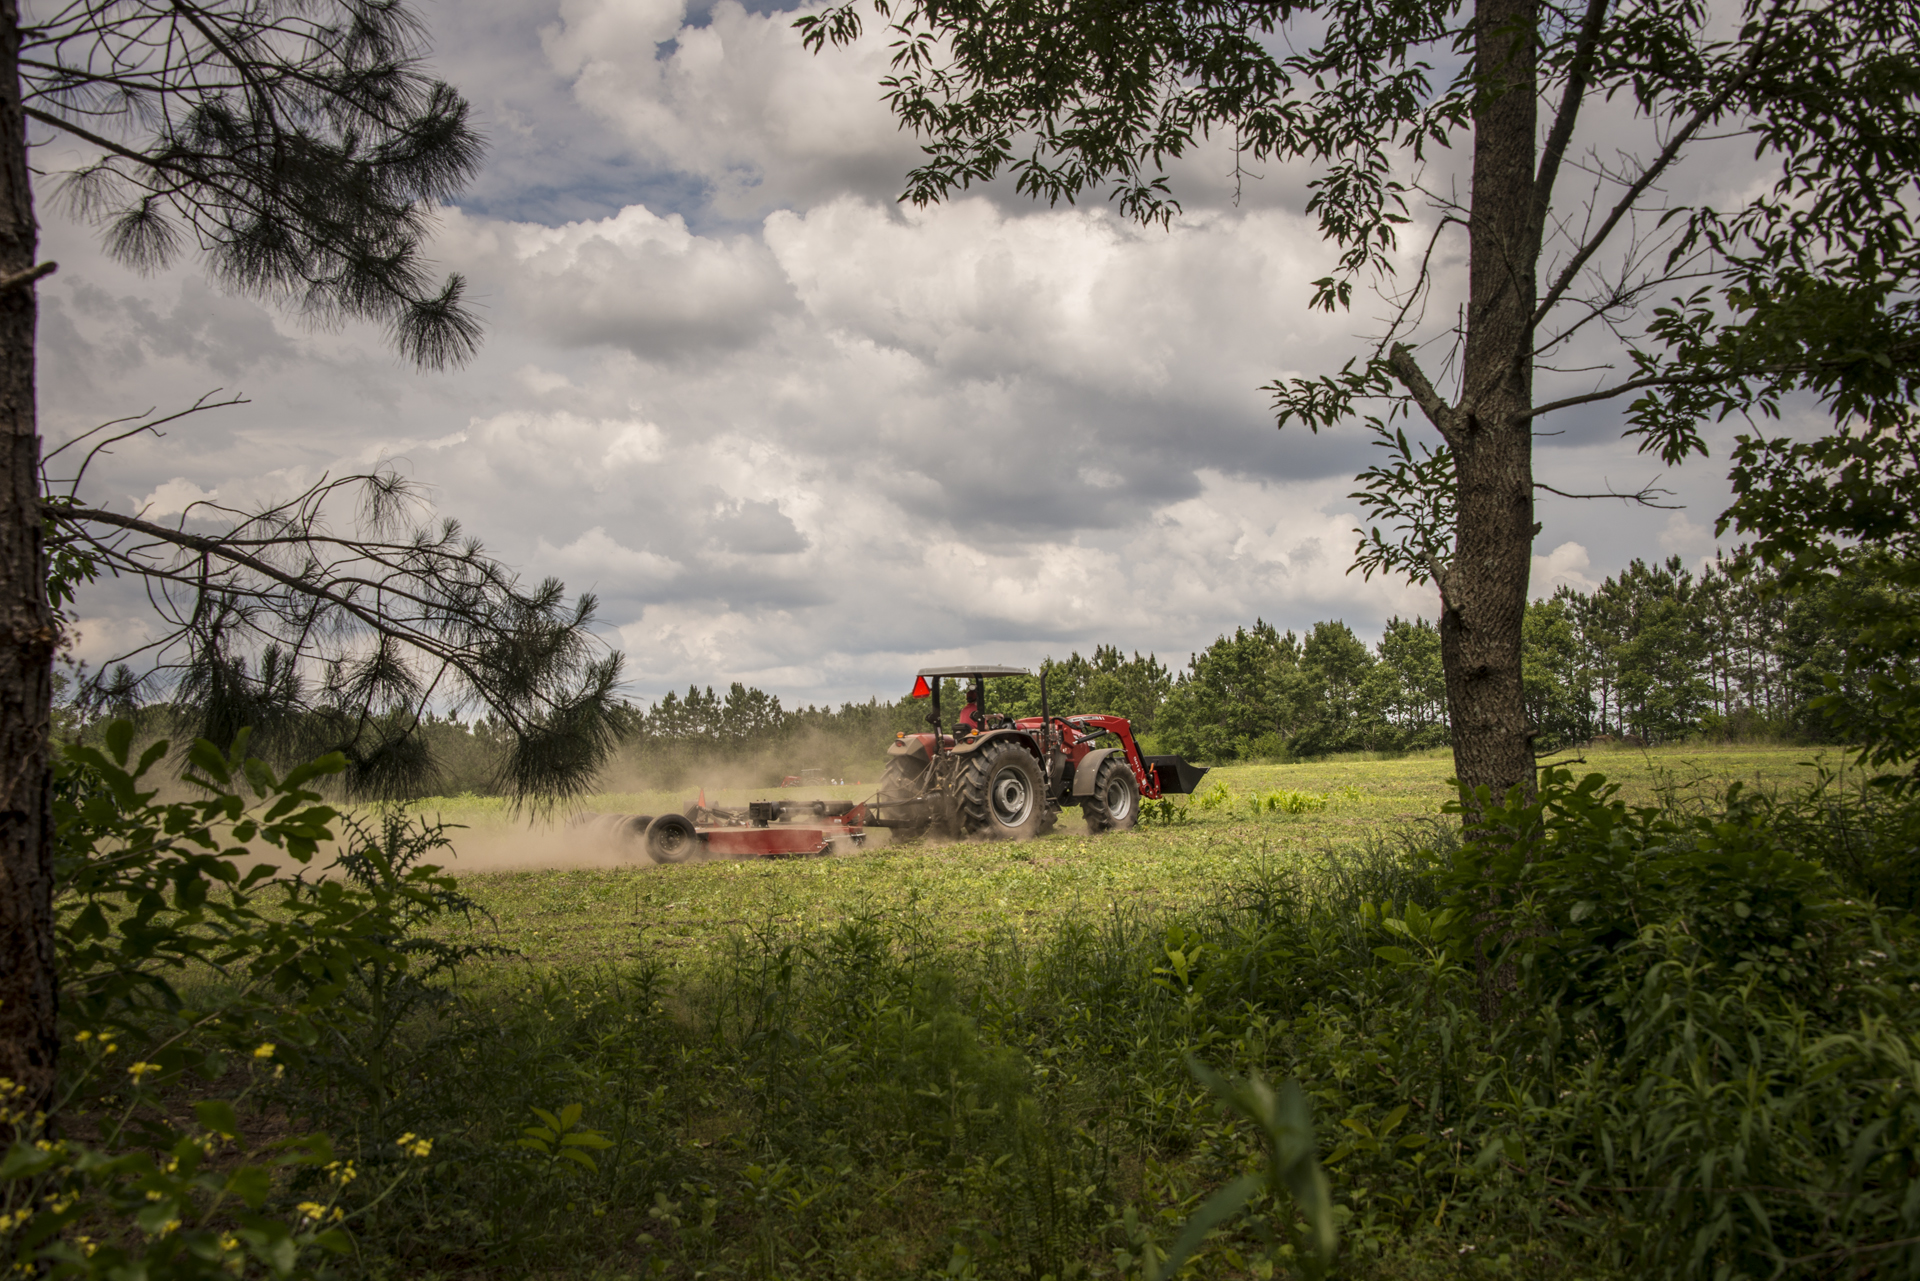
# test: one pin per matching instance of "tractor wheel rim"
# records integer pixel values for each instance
(1012, 799)
(1117, 797)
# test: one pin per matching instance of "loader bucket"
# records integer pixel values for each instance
(1175, 775)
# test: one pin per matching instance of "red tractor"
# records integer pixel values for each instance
(993, 777)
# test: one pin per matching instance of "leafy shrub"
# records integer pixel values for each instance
(1163, 812)
(1716, 1058)
(1284, 801)
(168, 947)
(1213, 797)
(1572, 880)
(1868, 835)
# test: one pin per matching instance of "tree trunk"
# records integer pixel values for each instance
(28, 1042)
(1485, 588)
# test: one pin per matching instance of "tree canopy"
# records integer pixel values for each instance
(1578, 255)
(302, 148)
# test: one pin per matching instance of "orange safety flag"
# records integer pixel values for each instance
(703, 798)
(920, 689)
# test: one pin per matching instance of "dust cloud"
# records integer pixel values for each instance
(536, 845)
(583, 841)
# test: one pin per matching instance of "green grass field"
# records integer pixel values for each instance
(570, 916)
(939, 1060)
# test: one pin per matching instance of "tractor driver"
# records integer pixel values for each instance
(970, 721)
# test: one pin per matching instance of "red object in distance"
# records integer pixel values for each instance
(920, 689)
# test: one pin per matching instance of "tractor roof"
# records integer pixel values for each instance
(973, 669)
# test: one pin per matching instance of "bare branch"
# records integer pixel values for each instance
(1419, 285)
(1734, 374)
(205, 402)
(1570, 101)
(21, 279)
(1408, 371)
(1707, 112)
(1644, 497)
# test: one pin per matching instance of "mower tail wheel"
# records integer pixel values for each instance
(1115, 803)
(670, 838)
(1000, 795)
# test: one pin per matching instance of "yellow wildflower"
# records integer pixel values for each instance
(265, 1051)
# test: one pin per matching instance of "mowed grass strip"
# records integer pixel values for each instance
(967, 892)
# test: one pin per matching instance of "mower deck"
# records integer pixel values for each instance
(779, 829)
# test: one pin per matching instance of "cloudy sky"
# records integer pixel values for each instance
(790, 431)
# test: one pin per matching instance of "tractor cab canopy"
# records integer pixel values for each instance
(977, 674)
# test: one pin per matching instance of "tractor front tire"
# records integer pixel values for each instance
(1000, 795)
(903, 781)
(1115, 803)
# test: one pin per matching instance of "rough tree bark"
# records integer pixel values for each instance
(1483, 589)
(28, 1042)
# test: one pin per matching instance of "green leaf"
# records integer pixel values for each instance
(23, 1160)
(210, 761)
(149, 757)
(251, 1183)
(334, 1241)
(587, 1139)
(281, 1255)
(217, 1115)
(1219, 1207)
(331, 763)
(91, 923)
(155, 1215)
(580, 1158)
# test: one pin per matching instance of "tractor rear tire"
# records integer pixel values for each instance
(1115, 803)
(670, 839)
(903, 781)
(1000, 795)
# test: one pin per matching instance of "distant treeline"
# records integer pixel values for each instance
(1653, 654)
